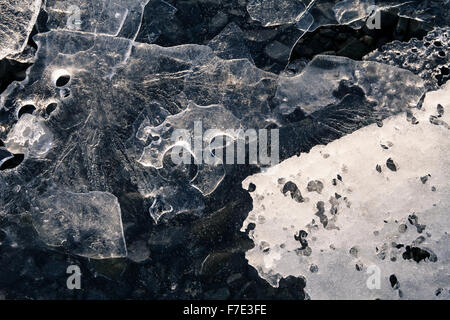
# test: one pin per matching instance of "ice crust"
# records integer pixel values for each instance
(384, 195)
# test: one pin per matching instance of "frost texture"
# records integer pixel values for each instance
(87, 224)
(383, 203)
(17, 21)
(390, 88)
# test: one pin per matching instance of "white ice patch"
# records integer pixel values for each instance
(30, 136)
(375, 200)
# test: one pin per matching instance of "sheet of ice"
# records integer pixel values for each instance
(110, 17)
(372, 203)
(86, 224)
(17, 20)
(275, 12)
(80, 78)
(315, 87)
(157, 16)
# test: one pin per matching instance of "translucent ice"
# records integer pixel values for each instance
(87, 224)
(390, 88)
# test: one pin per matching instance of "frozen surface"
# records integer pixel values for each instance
(376, 199)
(86, 174)
(392, 89)
(429, 58)
(86, 224)
(17, 18)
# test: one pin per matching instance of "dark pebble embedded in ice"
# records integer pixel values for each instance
(321, 213)
(391, 165)
(402, 228)
(394, 281)
(301, 237)
(291, 188)
(440, 110)
(424, 179)
(354, 252)
(418, 254)
(414, 220)
(315, 185)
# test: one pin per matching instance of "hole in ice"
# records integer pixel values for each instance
(12, 163)
(51, 107)
(29, 108)
(64, 93)
(394, 282)
(60, 77)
